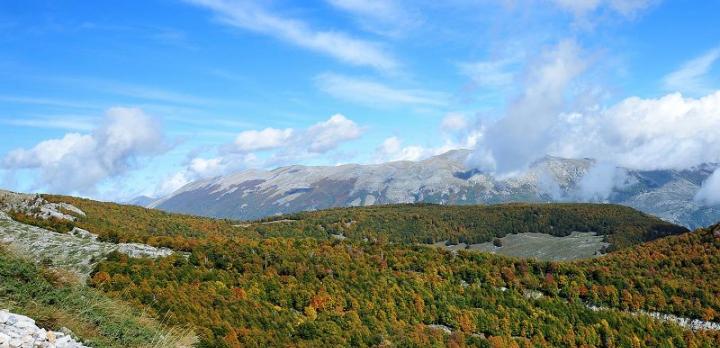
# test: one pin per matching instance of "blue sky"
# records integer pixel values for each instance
(116, 99)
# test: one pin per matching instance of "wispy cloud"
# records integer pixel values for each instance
(374, 93)
(48, 102)
(490, 74)
(131, 90)
(385, 17)
(250, 16)
(627, 8)
(69, 122)
(690, 77)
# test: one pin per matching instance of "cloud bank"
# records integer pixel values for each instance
(669, 132)
(77, 162)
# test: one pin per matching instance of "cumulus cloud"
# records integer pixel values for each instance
(392, 149)
(78, 162)
(316, 139)
(690, 77)
(265, 148)
(266, 139)
(364, 91)
(709, 193)
(669, 132)
(251, 16)
(456, 133)
(514, 140)
(327, 135)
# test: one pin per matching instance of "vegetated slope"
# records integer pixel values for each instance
(443, 179)
(308, 292)
(678, 274)
(428, 223)
(412, 223)
(99, 321)
(120, 223)
(240, 287)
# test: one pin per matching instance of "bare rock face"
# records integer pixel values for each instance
(19, 331)
(77, 251)
(36, 206)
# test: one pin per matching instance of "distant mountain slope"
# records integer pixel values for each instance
(141, 201)
(442, 179)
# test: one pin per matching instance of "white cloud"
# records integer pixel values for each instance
(327, 135)
(709, 193)
(385, 17)
(391, 149)
(373, 93)
(316, 139)
(283, 145)
(250, 16)
(206, 167)
(690, 77)
(78, 162)
(667, 132)
(523, 133)
(671, 132)
(600, 180)
(266, 139)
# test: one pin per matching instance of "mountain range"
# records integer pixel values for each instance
(444, 179)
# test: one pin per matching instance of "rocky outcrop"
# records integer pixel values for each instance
(37, 206)
(692, 324)
(19, 331)
(77, 251)
(143, 250)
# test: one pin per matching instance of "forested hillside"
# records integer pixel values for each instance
(286, 282)
(287, 291)
(430, 223)
(416, 223)
(55, 301)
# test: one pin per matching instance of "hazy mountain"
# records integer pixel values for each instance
(141, 201)
(443, 179)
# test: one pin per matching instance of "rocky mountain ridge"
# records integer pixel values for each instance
(444, 179)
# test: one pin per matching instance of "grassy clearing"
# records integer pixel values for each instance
(578, 245)
(54, 302)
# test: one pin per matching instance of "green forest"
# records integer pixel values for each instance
(286, 281)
